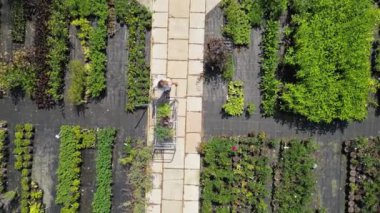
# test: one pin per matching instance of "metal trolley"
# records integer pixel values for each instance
(168, 144)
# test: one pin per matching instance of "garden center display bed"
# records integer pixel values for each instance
(331, 162)
(105, 112)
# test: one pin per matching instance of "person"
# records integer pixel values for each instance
(166, 84)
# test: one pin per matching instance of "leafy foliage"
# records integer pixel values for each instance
(57, 42)
(331, 55)
(270, 58)
(77, 86)
(235, 174)
(102, 196)
(138, 156)
(138, 20)
(18, 20)
(234, 105)
(296, 182)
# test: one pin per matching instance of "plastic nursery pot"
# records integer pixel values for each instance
(352, 179)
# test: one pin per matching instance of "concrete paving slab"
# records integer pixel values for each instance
(178, 49)
(178, 28)
(192, 177)
(192, 161)
(192, 142)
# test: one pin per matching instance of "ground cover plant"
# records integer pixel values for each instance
(138, 20)
(234, 105)
(235, 173)
(102, 196)
(294, 178)
(137, 157)
(333, 79)
(363, 175)
(57, 41)
(18, 18)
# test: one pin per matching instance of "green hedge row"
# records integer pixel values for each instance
(294, 178)
(270, 58)
(57, 41)
(23, 150)
(138, 20)
(235, 174)
(18, 19)
(68, 187)
(331, 52)
(102, 196)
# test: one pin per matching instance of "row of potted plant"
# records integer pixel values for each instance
(68, 187)
(103, 193)
(57, 42)
(363, 175)
(3, 158)
(138, 20)
(137, 156)
(236, 171)
(23, 153)
(93, 39)
(294, 177)
(269, 85)
(18, 18)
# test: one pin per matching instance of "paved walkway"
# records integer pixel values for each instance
(177, 53)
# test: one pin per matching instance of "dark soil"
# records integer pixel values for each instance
(107, 112)
(331, 165)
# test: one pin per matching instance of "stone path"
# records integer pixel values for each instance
(177, 53)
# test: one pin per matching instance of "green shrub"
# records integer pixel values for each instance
(250, 109)
(78, 82)
(238, 25)
(234, 105)
(269, 84)
(333, 79)
(88, 139)
(102, 196)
